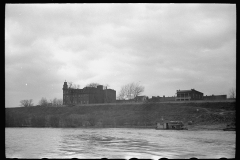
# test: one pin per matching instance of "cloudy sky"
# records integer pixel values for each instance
(163, 47)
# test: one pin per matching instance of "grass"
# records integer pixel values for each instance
(114, 115)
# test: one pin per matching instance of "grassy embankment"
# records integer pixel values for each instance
(207, 115)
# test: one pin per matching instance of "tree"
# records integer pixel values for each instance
(70, 84)
(26, 103)
(43, 102)
(130, 91)
(106, 86)
(30, 102)
(232, 93)
(92, 85)
(59, 101)
(56, 102)
(74, 86)
(53, 101)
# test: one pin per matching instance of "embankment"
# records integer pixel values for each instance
(128, 115)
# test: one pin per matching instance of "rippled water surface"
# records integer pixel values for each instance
(117, 143)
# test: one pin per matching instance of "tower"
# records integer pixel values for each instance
(65, 90)
(65, 86)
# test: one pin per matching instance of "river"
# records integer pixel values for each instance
(116, 143)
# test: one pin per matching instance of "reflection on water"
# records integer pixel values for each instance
(117, 143)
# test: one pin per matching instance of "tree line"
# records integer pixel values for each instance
(42, 102)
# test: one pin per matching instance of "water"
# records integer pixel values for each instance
(117, 143)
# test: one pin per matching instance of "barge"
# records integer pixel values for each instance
(171, 125)
(230, 127)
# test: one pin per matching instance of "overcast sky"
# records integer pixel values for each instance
(164, 47)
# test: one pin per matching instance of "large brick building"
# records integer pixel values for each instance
(187, 95)
(88, 95)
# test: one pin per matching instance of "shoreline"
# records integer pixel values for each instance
(207, 127)
(195, 116)
(197, 127)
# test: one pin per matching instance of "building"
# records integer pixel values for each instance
(187, 95)
(161, 99)
(140, 98)
(175, 125)
(88, 95)
(215, 97)
(167, 98)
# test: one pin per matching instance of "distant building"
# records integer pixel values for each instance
(140, 98)
(187, 95)
(88, 95)
(215, 97)
(167, 98)
(161, 99)
(155, 99)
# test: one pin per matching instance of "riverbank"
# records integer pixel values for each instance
(189, 127)
(207, 127)
(214, 115)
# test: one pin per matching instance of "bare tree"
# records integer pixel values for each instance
(106, 86)
(59, 101)
(137, 89)
(26, 103)
(130, 91)
(70, 84)
(43, 102)
(74, 86)
(56, 102)
(122, 93)
(92, 85)
(232, 93)
(30, 102)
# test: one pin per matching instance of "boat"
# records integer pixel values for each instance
(230, 127)
(171, 125)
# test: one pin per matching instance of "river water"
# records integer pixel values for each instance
(116, 143)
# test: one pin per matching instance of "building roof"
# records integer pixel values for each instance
(188, 90)
(184, 90)
(140, 96)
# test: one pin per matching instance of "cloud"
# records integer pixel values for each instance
(164, 47)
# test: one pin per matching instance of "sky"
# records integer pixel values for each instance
(163, 47)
